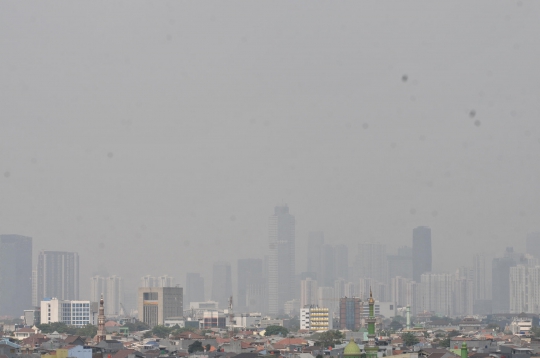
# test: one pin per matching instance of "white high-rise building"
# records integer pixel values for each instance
(399, 291)
(281, 259)
(112, 290)
(437, 289)
(309, 290)
(148, 281)
(480, 271)
(165, 281)
(525, 289)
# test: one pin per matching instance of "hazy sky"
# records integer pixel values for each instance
(156, 137)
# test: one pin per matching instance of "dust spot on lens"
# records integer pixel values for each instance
(404, 78)
(101, 245)
(472, 113)
(477, 123)
(7, 174)
(110, 155)
(365, 126)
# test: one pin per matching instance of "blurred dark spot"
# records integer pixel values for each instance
(233, 218)
(434, 213)
(412, 211)
(477, 123)
(33, 160)
(472, 113)
(110, 154)
(7, 174)
(365, 126)
(168, 37)
(101, 245)
(404, 78)
(186, 243)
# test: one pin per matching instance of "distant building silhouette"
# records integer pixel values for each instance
(250, 275)
(371, 262)
(221, 284)
(15, 274)
(500, 273)
(58, 275)
(421, 252)
(281, 259)
(194, 291)
(533, 244)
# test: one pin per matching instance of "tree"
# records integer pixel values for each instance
(453, 333)
(207, 347)
(395, 326)
(329, 338)
(409, 339)
(137, 326)
(161, 331)
(148, 334)
(319, 356)
(89, 331)
(195, 347)
(275, 330)
(445, 342)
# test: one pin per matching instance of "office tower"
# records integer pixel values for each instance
(533, 244)
(250, 274)
(194, 288)
(97, 288)
(350, 313)
(437, 293)
(481, 291)
(71, 312)
(399, 291)
(371, 262)
(500, 286)
(463, 296)
(256, 297)
(58, 275)
(309, 290)
(401, 264)
(221, 284)
(155, 304)
(315, 253)
(328, 273)
(281, 259)
(35, 301)
(525, 289)
(342, 261)
(15, 274)
(165, 281)
(421, 251)
(148, 281)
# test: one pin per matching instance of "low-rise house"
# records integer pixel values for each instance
(9, 349)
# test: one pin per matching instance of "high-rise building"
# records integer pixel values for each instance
(15, 274)
(500, 287)
(438, 293)
(112, 289)
(309, 290)
(533, 244)
(155, 304)
(525, 289)
(315, 319)
(421, 252)
(350, 313)
(221, 283)
(401, 264)
(250, 274)
(194, 288)
(342, 261)
(327, 298)
(399, 291)
(481, 291)
(165, 281)
(463, 296)
(371, 262)
(315, 253)
(58, 275)
(148, 281)
(281, 260)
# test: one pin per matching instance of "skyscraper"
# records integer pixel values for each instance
(58, 275)
(309, 293)
(250, 273)
(480, 272)
(371, 262)
(438, 293)
(114, 294)
(500, 287)
(15, 274)
(221, 284)
(165, 281)
(315, 253)
(421, 252)
(342, 261)
(533, 244)
(281, 259)
(194, 291)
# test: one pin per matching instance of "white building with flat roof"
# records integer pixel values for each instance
(72, 313)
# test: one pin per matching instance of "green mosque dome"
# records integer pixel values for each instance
(352, 349)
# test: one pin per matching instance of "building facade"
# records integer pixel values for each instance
(194, 288)
(421, 252)
(155, 304)
(308, 292)
(58, 275)
(221, 283)
(250, 276)
(315, 319)
(350, 313)
(281, 259)
(70, 312)
(15, 274)
(112, 289)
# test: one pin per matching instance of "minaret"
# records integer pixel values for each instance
(101, 336)
(464, 351)
(371, 348)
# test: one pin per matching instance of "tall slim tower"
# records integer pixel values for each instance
(371, 348)
(58, 275)
(101, 334)
(221, 283)
(421, 252)
(194, 288)
(250, 273)
(281, 259)
(15, 274)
